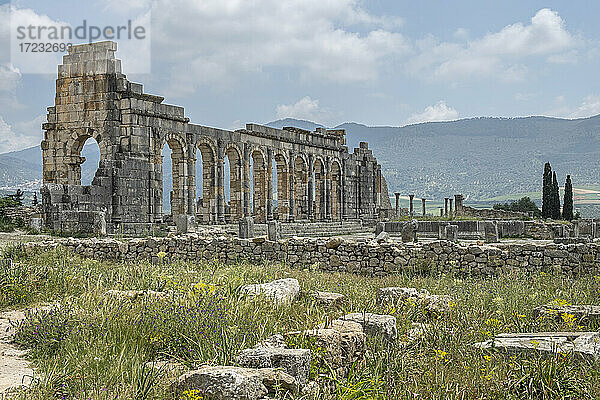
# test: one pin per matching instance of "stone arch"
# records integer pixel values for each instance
(300, 187)
(74, 159)
(320, 197)
(179, 163)
(235, 156)
(336, 190)
(206, 204)
(283, 188)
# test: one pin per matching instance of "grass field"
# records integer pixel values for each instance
(95, 347)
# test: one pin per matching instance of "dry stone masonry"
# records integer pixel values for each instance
(317, 178)
(336, 254)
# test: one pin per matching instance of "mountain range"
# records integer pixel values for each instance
(479, 157)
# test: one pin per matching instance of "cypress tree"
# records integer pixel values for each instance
(567, 212)
(555, 198)
(547, 192)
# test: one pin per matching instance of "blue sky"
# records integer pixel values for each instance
(376, 62)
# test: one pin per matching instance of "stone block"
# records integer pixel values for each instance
(246, 228)
(273, 230)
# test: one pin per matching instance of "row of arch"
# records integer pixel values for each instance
(254, 181)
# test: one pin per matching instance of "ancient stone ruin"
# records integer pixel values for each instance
(317, 179)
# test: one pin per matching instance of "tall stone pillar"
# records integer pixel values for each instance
(397, 204)
(311, 200)
(458, 203)
(292, 191)
(343, 193)
(450, 208)
(246, 181)
(423, 200)
(221, 189)
(445, 206)
(328, 190)
(269, 184)
(411, 210)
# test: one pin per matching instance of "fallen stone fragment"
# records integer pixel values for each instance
(375, 324)
(583, 344)
(294, 362)
(353, 340)
(135, 294)
(280, 291)
(579, 312)
(234, 383)
(433, 303)
(329, 299)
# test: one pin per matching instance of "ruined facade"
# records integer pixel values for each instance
(316, 177)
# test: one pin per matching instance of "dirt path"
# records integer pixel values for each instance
(15, 371)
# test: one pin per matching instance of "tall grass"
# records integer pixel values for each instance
(98, 347)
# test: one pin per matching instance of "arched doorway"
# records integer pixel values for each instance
(319, 189)
(90, 152)
(173, 176)
(233, 184)
(282, 199)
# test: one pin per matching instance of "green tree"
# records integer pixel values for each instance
(567, 212)
(547, 192)
(17, 197)
(555, 198)
(524, 205)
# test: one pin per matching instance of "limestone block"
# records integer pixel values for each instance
(280, 291)
(375, 324)
(234, 383)
(328, 298)
(294, 362)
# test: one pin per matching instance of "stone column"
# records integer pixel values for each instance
(445, 206)
(411, 210)
(246, 181)
(269, 184)
(311, 210)
(292, 191)
(343, 194)
(220, 189)
(328, 190)
(441, 212)
(397, 204)
(450, 208)
(458, 203)
(423, 200)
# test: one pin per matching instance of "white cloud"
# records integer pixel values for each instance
(437, 112)
(20, 136)
(588, 108)
(219, 41)
(305, 108)
(501, 54)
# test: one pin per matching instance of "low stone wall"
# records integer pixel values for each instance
(536, 229)
(488, 213)
(336, 254)
(289, 229)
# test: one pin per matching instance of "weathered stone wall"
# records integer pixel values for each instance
(95, 100)
(368, 258)
(536, 229)
(488, 213)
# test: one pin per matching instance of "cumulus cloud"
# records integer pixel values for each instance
(588, 108)
(20, 136)
(501, 54)
(437, 112)
(219, 41)
(305, 108)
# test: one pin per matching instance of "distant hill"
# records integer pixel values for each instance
(298, 123)
(479, 157)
